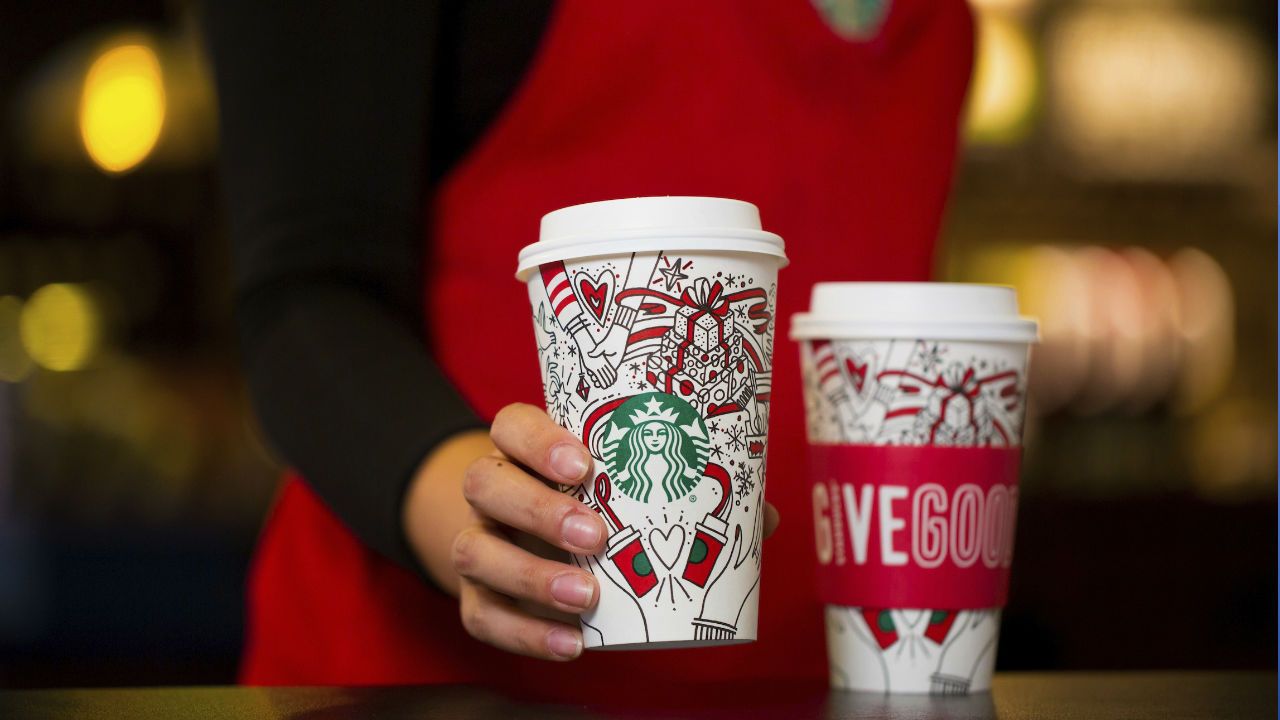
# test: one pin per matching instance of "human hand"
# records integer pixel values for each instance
(461, 531)
(599, 367)
(495, 577)
(610, 349)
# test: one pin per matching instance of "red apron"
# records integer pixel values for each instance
(847, 148)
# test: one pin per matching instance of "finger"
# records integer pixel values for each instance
(529, 437)
(771, 519)
(494, 619)
(481, 555)
(498, 489)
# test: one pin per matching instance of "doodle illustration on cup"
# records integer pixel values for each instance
(654, 321)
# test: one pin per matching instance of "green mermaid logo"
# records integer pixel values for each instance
(655, 439)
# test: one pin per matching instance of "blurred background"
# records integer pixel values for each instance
(1119, 169)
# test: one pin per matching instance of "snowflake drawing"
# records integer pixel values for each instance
(928, 356)
(744, 481)
(736, 438)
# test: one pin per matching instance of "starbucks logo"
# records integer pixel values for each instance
(655, 440)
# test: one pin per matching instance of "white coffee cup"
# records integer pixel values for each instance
(899, 377)
(654, 320)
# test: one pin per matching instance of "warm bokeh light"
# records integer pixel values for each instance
(1121, 330)
(1154, 93)
(1233, 448)
(1005, 87)
(1206, 324)
(61, 327)
(1159, 348)
(14, 361)
(1004, 5)
(122, 107)
(1113, 300)
(1061, 364)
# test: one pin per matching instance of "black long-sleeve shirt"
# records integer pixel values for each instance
(337, 118)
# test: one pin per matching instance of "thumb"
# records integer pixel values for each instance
(771, 519)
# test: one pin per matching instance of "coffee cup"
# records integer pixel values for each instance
(915, 399)
(654, 322)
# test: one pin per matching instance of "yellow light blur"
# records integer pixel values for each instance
(61, 327)
(1120, 329)
(1205, 321)
(1004, 5)
(1005, 83)
(122, 107)
(1232, 448)
(1053, 287)
(1155, 92)
(14, 362)
(1156, 338)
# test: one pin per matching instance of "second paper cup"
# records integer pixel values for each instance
(915, 398)
(654, 321)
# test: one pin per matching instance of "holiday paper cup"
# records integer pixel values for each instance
(654, 323)
(914, 396)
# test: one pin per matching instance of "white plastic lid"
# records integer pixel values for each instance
(649, 224)
(939, 311)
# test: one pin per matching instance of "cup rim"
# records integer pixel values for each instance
(979, 312)
(626, 242)
(806, 326)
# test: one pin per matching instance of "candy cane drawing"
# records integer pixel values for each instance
(832, 385)
(569, 314)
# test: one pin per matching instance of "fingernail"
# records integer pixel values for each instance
(573, 590)
(564, 643)
(581, 531)
(569, 462)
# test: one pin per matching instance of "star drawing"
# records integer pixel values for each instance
(673, 275)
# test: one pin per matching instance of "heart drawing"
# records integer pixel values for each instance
(667, 546)
(857, 373)
(596, 293)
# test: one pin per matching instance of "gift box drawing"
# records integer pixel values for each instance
(703, 359)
